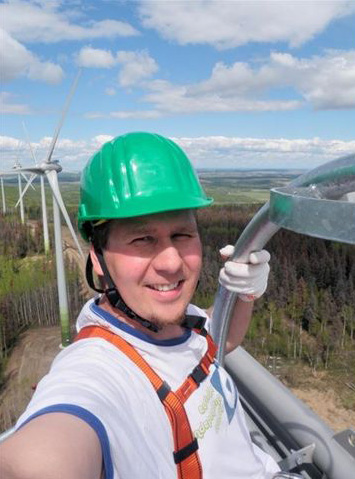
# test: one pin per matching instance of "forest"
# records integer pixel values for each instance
(307, 315)
(308, 311)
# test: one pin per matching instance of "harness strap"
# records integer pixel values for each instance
(200, 372)
(185, 444)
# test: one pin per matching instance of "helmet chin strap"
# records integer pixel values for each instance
(117, 302)
(112, 293)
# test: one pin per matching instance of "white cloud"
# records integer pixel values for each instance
(99, 140)
(17, 61)
(228, 24)
(180, 99)
(326, 82)
(233, 152)
(125, 114)
(204, 152)
(50, 22)
(95, 58)
(7, 107)
(8, 143)
(135, 114)
(136, 66)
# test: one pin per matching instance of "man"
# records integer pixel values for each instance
(139, 395)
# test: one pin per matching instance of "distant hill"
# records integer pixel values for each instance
(64, 177)
(204, 174)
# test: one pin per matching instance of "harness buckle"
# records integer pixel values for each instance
(163, 391)
(185, 452)
(199, 374)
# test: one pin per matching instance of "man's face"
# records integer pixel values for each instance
(155, 262)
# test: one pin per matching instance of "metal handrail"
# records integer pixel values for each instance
(284, 412)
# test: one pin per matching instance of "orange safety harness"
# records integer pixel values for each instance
(185, 444)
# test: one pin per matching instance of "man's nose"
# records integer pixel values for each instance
(168, 259)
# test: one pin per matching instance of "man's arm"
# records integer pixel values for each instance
(52, 446)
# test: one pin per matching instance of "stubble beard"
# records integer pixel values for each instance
(162, 323)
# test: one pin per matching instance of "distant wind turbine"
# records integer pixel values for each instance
(19, 175)
(50, 168)
(43, 195)
(3, 196)
(17, 166)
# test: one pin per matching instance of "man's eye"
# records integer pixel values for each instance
(142, 240)
(182, 236)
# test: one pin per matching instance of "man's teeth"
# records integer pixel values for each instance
(165, 287)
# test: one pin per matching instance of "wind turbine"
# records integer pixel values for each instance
(3, 196)
(19, 173)
(50, 168)
(17, 166)
(43, 195)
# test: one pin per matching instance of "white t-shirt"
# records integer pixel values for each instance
(93, 380)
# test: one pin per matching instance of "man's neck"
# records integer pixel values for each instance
(169, 331)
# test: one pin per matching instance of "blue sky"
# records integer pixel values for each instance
(257, 84)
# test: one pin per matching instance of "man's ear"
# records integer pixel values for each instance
(95, 262)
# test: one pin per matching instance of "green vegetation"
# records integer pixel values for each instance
(28, 293)
(32, 199)
(239, 187)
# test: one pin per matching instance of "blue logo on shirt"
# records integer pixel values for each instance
(226, 388)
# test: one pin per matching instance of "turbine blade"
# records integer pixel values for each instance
(29, 181)
(29, 143)
(62, 118)
(53, 181)
(32, 177)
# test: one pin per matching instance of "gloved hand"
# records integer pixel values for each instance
(248, 280)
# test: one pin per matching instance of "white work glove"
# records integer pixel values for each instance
(248, 280)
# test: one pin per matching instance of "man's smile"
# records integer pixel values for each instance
(164, 287)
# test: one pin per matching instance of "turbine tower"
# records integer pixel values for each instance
(17, 166)
(3, 196)
(50, 168)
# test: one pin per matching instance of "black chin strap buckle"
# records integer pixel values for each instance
(192, 321)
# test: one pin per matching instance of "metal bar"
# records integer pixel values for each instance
(294, 209)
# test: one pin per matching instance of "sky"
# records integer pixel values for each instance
(237, 84)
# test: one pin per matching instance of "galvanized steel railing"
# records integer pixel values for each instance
(316, 204)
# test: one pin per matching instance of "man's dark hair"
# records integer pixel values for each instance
(99, 235)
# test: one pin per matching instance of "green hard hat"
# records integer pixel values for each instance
(137, 174)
